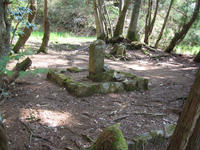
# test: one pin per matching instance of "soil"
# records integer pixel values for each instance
(40, 114)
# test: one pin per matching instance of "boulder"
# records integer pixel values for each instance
(84, 90)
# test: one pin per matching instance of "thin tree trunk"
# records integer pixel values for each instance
(120, 23)
(147, 22)
(149, 28)
(45, 40)
(187, 129)
(164, 24)
(121, 5)
(180, 35)
(197, 57)
(132, 30)
(27, 31)
(100, 33)
(109, 22)
(5, 26)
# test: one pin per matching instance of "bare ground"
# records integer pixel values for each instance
(40, 114)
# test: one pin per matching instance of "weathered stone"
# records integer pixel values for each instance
(114, 49)
(106, 67)
(105, 76)
(142, 83)
(74, 69)
(84, 90)
(101, 88)
(61, 79)
(116, 87)
(71, 87)
(54, 75)
(121, 50)
(136, 45)
(169, 130)
(96, 59)
(130, 85)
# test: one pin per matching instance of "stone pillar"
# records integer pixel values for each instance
(96, 59)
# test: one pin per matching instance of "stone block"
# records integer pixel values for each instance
(130, 85)
(105, 76)
(84, 90)
(142, 83)
(96, 59)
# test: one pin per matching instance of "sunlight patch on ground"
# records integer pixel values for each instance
(48, 117)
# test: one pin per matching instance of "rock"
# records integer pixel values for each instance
(71, 87)
(130, 85)
(96, 59)
(169, 130)
(121, 50)
(106, 67)
(136, 45)
(110, 139)
(104, 76)
(116, 87)
(114, 49)
(101, 88)
(142, 83)
(84, 90)
(74, 69)
(61, 78)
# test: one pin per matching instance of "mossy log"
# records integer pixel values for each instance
(110, 139)
(23, 66)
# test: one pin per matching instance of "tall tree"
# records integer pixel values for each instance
(120, 23)
(150, 23)
(164, 24)
(132, 30)
(5, 27)
(27, 29)
(45, 40)
(181, 34)
(187, 132)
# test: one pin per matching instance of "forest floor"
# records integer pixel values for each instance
(59, 120)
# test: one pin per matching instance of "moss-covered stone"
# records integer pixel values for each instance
(104, 76)
(84, 90)
(110, 139)
(116, 87)
(54, 75)
(142, 83)
(71, 87)
(74, 69)
(129, 75)
(135, 45)
(61, 79)
(130, 85)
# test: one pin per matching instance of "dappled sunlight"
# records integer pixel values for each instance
(48, 117)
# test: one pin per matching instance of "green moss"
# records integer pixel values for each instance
(127, 74)
(74, 69)
(132, 36)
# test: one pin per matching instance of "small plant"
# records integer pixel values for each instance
(32, 117)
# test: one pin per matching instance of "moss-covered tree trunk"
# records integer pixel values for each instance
(132, 30)
(120, 23)
(110, 139)
(164, 24)
(45, 40)
(187, 132)
(4, 35)
(27, 31)
(149, 26)
(180, 35)
(3, 137)
(197, 57)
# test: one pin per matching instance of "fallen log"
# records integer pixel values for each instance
(23, 66)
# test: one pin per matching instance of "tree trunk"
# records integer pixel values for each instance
(23, 66)
(197, 57)
(3, 137)
(121, 5)
(100, 33)
(120, 23)
(109, 22)
(147, 22)
(27, 31)
(4, 35)
(164, 24)
(45, 40)
(180, 35)
(149, 27)
(132, 30)
(187, 132)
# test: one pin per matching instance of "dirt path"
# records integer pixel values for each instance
(59, 119)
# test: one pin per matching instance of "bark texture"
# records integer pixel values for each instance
(4, 34)
(27, 31)
(186, 134)
(45, 40)
(3, 137)
(120, 23)
(180, 35)
(164, 24)
(132, 30)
